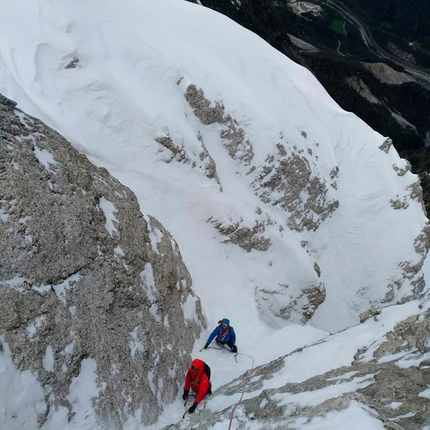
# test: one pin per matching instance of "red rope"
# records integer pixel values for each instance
(246, 380)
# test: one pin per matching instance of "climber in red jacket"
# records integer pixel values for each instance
(198, 379)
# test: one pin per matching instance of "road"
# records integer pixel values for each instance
(421, 74)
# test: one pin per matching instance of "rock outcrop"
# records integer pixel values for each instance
(285, 180)
(87, 283)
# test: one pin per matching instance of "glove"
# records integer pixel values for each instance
(193, 408)
(185, 395)
(206, 346)
(233, 348)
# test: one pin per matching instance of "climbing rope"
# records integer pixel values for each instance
(245, 380)
(222, 347)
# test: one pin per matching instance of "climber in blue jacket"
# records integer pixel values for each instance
(224, 335)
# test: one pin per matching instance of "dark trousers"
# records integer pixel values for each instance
(229, 344)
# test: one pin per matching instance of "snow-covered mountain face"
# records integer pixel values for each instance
(265, 183)
(285, 209)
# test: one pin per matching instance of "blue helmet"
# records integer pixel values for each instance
(225, 321)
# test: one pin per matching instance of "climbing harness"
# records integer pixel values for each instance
(222, 336)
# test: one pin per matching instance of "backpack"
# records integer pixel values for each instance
(207, 370)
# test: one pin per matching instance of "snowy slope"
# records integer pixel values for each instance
(111, 77)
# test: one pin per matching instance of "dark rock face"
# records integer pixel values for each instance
(87, 281)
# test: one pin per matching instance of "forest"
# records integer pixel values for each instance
(409, 20)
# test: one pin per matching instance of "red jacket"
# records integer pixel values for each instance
(199, 383)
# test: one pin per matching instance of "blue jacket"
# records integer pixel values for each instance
(224, 335)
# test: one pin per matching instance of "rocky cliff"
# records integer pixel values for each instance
(88, 285)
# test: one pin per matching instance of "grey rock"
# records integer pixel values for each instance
(300, 307)
(73, 63)
(373, 311)
(209, 113)
(386, 145)
(245, 237)
(203, 110)
(402, 171)
(315, 297)
(292, 177)
(85, 277)
(179, 154)
(410, 334)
